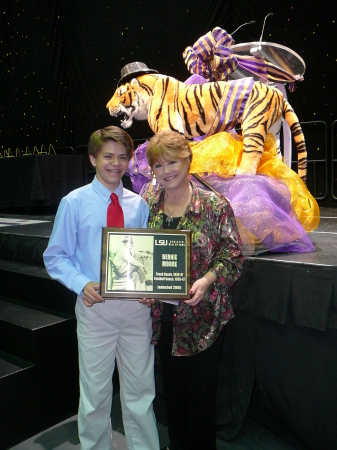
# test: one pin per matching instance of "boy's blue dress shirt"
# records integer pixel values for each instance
(73, 256)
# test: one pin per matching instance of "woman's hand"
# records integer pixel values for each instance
(147, 301)
(199, 288)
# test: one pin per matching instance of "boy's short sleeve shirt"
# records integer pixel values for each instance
(73, 254)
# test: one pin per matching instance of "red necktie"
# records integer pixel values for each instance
(115, 217)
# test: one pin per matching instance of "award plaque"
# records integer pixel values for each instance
(145, 263)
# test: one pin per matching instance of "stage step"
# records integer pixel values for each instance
(25, 238)
(10, 365)
(38, 343)
(22, 247)
(18, 324)
(38, 358)
(32, 285)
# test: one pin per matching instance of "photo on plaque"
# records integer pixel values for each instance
(148, 263)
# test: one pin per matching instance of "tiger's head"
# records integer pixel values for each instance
(132, 100)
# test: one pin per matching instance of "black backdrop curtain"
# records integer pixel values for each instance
(60, 60)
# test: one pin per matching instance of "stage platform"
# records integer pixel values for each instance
(280, 356)
(37, 228)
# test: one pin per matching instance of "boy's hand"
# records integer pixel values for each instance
(90, 294)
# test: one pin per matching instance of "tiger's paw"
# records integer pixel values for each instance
(244, 172)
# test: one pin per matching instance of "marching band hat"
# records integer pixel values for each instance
(133, 69)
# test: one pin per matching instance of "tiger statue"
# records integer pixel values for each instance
(205, 109)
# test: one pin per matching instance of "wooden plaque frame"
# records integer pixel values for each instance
(164, 263)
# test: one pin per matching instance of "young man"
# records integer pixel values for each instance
(112, 329)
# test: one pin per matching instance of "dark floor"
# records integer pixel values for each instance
(63, 436)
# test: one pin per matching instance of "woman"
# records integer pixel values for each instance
(190, 335)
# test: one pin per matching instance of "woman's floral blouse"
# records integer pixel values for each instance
(216, 247)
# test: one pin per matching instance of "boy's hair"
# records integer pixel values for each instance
(168, 145)
(99, 137)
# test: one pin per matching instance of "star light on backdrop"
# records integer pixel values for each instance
(59, 64)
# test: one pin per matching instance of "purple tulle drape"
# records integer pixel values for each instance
(261, 204)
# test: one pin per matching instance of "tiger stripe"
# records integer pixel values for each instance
(206, 109)
(214, 101)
